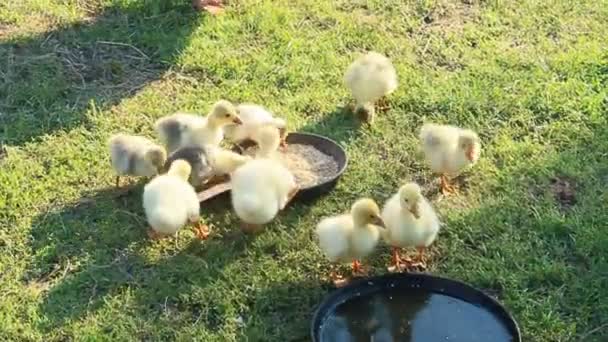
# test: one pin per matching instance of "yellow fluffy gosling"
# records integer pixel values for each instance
(410, 222)
(211, 133)
(171, 128)
(170, 202)
(135, 156)
(268, 139)
(263, 186)
(253, 117)
(449, 150)
(350, 237)
(370, 78)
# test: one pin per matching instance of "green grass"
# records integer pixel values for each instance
(75, 263)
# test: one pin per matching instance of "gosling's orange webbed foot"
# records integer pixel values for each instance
(383, 105)
(201, 231)
(395, 268)
(421, 256)
(417, 266)
(366, 115)
(420, 261)
(446, 187)
(396, 261)
(250, 227)
(338, 280)
(283, 145)
(403, 266)
(448, 191)
(356, 266)
(358, 269)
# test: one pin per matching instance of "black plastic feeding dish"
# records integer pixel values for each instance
(321, 143)
(412, 307)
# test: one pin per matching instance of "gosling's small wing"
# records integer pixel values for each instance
(390, 216)
(333, 236)
(430, 136)
(121, 152)
(170, 132)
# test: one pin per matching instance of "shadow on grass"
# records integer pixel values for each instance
(88, 250)
(51, 79)
(284, 311)
(80, 251)
(339, 125)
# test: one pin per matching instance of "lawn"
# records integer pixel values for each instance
(530, 225)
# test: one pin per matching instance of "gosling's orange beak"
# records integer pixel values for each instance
(378, 221)
(283, 133)
(237, 121)
(414, 210)
(469, 153)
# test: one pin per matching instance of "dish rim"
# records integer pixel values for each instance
(341, 295)
(310, 188)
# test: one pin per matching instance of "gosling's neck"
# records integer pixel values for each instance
(214, 123)
(181, 174)
(360, 223)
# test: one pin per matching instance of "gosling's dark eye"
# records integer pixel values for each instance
(227, 115)
(371, 216)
